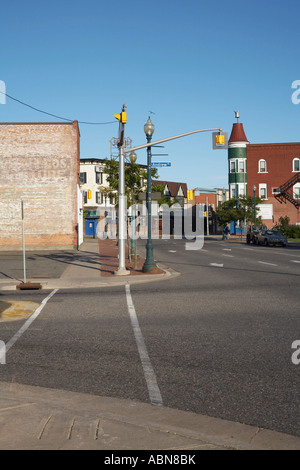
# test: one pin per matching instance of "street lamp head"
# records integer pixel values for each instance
(133, 157)
(149, 128)
(254, 188)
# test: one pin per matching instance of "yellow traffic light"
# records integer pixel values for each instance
(122, 117)
(89, 194)
(220, 139)
(190, 194)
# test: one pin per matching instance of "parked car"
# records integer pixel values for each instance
(271, 237)
(253, 232)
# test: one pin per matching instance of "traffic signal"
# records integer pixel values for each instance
(190, 194)
(89, 194)
(122, 117)
(220, 140)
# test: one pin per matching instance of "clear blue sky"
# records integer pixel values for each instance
(190, 62)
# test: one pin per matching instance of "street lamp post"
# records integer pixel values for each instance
(254, 192)
(149, 265)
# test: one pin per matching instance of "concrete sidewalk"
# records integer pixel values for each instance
(40, 418)
(34, 418)
(93, 265)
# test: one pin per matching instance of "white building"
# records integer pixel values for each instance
(92, 179)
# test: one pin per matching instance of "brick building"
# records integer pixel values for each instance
(39, 165)
(273, 169)
(214, 197)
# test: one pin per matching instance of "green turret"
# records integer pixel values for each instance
(237, 160)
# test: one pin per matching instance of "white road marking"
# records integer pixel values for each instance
(154, 392)
(269, 264)
(295, 261)
(226, 249)
(228, 256)
(216, 265)
(172, 251)
(26, 325)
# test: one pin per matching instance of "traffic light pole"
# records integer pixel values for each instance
(122, 226)
(151, 144)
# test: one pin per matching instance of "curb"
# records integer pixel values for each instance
(79, 283)
(41, 418)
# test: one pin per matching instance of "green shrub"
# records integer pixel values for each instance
(290, 231)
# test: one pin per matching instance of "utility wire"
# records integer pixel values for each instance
(54, 115)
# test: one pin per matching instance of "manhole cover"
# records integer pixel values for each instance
(12, 310)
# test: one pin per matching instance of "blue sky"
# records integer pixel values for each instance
(191, 63)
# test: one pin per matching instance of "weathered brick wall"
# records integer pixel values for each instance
(39, 164)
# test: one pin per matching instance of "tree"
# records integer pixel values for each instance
(237, 209)
(135, 178)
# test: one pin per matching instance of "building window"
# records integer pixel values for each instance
(84, 194)
(232, 191)
(262, 166)
(296, 164)
(242, 189)
(242, 166)
(296, 191)
(99, 177)
(263, 191)
(99, 197)
(83, 178)
(232, 166)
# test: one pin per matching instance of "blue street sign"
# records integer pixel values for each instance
(160, 164)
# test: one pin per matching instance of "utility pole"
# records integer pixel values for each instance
(122, 225)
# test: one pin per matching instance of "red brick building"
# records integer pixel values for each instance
(275, 171)
(272, 169)
(39, 165)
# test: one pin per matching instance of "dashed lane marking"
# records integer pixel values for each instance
(28, 322)
(153, 390)
(268, 264)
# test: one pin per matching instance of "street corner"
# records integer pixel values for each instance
(11, 310)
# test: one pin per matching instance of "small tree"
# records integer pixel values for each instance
(134, 179)
(237, 209)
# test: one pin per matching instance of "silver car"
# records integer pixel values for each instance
(271, 237)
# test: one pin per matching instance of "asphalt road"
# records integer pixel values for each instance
(216, 340)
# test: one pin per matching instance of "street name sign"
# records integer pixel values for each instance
(160, 164)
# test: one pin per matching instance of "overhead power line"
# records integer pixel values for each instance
(54, 115)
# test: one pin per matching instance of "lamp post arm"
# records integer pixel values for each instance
(151, 144)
